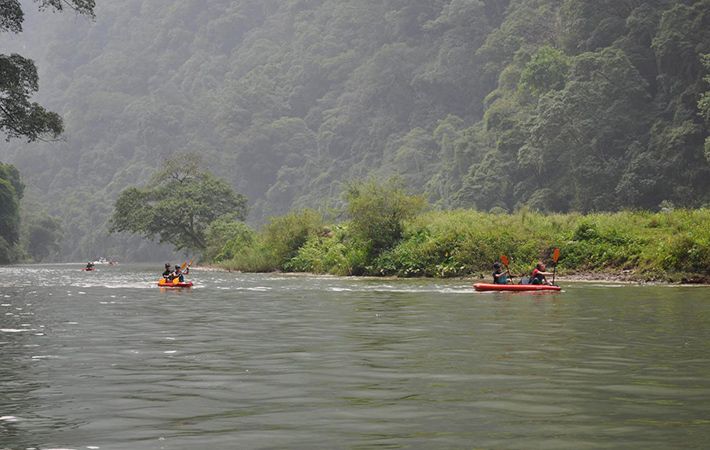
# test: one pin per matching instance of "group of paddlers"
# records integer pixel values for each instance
(171, 274)
(538, 275)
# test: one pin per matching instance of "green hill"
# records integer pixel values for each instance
(560, 105)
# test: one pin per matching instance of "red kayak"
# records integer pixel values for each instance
(485, 287)
(174, 284)
(86, 269)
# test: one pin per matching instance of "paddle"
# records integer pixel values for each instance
(555, 257)
(504, 260)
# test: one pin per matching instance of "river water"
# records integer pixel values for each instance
(106, 360)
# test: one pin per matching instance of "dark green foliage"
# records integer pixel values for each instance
(19, 81)
(43, 236)
(9, 212)
(378, 212)
(284, 235)
(11, 16)
(11, 190)
(178, 206)
(226, 238)
(19, 117)
(704, 103)
(554, 105)
(546, 71)
(661, 246)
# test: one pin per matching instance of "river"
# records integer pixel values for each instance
(106, 360)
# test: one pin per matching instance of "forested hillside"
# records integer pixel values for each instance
(557, 105)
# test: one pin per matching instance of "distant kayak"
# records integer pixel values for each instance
(86, 269)
(483, 287)
(174, 284)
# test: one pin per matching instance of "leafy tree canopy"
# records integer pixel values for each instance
(11, 190)
(378, 211)
(178, 205)
(18, 78)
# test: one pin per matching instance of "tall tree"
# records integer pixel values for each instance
(18, 77)
(11, 189)
(178, 205)
(378, 212)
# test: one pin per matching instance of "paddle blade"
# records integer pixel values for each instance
(556, 255)
(504, 260)
(182, 267)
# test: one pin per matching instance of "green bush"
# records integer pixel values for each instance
(285, 235)
(464, 242)
(255, 258)
(378, 213)
(226, 238)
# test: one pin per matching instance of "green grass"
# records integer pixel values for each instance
(670, 246)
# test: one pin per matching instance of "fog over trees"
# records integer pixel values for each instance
(553, 105)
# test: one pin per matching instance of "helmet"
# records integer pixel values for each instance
(496, 265)
(167, 265)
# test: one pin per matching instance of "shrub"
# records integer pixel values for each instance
(378, 213)
(227, 237)
(283, 236)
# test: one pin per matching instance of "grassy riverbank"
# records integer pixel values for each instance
(669, 246)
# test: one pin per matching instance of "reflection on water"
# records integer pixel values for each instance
(107, 360)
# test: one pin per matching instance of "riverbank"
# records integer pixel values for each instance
(638, 247)
(627, 277)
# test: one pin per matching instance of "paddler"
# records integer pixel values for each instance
(538, 274)
(177, 273)
(499, 277)
(167, 272)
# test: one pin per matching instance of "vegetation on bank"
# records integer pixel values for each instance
(178, 205)
(671, 245)
(27, 233)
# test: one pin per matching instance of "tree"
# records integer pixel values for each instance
(704, 104)
(226, 237)
(378, 212)
(43, 235)
(178, 205)
(284, 235)
(11, 189)
(547, 70)
(19, 80)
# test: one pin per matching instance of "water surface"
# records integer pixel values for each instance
(108, 360)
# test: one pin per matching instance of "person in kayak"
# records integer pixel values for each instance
(538, 274)
(499, 277)
(179, 274)
(89, 266)
(167, 272)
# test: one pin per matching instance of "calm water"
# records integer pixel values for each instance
(106, 360)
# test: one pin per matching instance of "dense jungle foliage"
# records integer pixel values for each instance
(33, 235)
(493, 105)
(670, 245)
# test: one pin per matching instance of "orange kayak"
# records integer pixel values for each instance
(174, 284)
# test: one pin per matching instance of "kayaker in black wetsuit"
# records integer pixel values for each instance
(498, 276)
(538, 274)
(167, 272)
